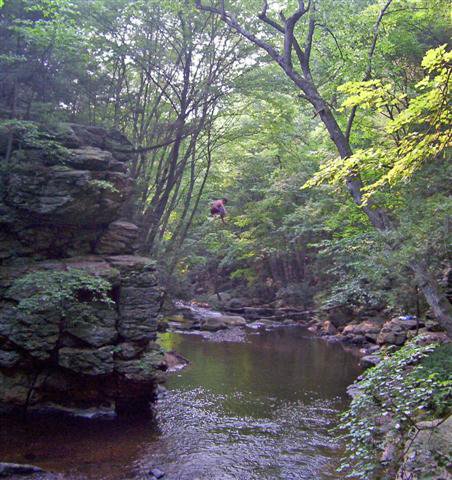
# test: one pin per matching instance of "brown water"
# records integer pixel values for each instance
(259, 409)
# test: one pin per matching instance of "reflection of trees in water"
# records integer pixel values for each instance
(169, 341)
(282, 365)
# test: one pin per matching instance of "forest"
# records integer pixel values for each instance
(212, 113)
(325, 124)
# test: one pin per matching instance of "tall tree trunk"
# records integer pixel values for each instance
(440, 305)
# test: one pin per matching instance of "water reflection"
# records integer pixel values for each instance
(261, 409)
(256, 410)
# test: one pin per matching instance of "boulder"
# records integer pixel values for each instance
(391, 338)
(360, 333)
(212, 324)
(356, 339)
(363, 328)
(120, 238)
(406, 323)
(233, 320)
(395, 331)
(328, 328)
(175, 361)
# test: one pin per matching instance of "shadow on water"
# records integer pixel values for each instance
(258, 409)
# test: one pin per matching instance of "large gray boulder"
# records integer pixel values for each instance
(233, 320)
(61, 203)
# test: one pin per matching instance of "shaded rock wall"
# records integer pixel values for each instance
(61, 200)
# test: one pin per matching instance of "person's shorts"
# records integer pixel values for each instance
(218, 211)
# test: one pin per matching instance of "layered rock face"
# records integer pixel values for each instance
(78, 308)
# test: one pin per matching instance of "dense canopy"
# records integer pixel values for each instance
(281, 107)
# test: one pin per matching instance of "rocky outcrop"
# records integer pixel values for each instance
(78, 308)
(371, 332)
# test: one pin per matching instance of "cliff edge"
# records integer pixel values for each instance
(78, 308)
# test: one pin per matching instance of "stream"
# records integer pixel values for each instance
(260, 407)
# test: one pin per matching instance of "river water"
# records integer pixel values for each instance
(261, 407)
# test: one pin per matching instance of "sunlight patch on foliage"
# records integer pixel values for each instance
(420, 133)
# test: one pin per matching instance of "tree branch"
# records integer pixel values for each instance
(368, 72)
(289, 31)
(232, 22)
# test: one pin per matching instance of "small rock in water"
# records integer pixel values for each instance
(156, 473)
(8, 469)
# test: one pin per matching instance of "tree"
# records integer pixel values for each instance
(294, 58)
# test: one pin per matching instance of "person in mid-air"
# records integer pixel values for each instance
(217, 207)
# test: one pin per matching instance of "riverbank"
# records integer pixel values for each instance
(362, 336)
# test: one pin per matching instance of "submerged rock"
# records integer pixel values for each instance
(10, 469)
(175, 361)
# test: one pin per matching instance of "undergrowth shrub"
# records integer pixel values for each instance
(409, 385)
(56, 289)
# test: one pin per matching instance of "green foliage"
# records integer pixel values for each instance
(438, 366)
(103, 185)
(42, 57)
(411, 384)
(109, 62)
(420, 133)
(43, 290)
(31, 135)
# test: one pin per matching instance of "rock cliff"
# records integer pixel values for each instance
(78, 308)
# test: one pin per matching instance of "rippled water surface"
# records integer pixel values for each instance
(260, 409)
